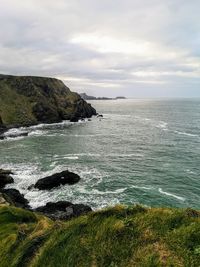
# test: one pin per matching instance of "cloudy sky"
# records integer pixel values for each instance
(136, 48)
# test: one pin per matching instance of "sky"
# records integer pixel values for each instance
(134, 48)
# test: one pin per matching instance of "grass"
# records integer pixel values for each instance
(119, 236)
(14, 108)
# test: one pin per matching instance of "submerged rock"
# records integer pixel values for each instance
(5, 178)
(14, 197)
(63, 210)
(99, 116)
(57, 179)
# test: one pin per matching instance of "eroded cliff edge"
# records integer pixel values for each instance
(29, 100)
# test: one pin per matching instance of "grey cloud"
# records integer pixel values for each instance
(36, 38)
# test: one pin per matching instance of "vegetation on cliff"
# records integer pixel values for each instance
(120, 236)
(27, 100)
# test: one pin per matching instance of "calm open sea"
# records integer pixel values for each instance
(142, 151)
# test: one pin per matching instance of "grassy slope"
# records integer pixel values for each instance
(120, 236)
(14, 108)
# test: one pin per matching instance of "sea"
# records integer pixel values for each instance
(142, 151)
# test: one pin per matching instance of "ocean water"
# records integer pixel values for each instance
(141, 151)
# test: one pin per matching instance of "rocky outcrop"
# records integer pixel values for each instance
(3, 200)
(63, 210)
(57, 179)
(5, 178)
(15, 198)
(26, 100)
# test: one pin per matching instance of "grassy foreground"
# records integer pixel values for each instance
(120, 236)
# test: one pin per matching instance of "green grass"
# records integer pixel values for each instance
(14, 108)
(119, 236)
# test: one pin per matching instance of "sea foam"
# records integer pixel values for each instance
(171, 195)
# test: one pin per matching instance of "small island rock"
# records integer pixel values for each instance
(57, 179)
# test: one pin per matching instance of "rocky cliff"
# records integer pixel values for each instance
(27, 100)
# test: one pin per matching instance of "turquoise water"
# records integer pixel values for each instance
(142, 151)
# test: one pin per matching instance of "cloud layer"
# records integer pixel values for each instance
(141, 48)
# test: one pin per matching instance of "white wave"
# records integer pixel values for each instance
(75, 156)
(187, 134)
(13, 138)
(141, 187)
(37, 133)
(171, 195)
(162, 125)
(53, 164)
(90, 135)
(71, 157)
(125, 155)
(158, 124)
(98, 192)
(86, 154)
(191, 172)
(15, 132)
(50, 125)
(117, 115)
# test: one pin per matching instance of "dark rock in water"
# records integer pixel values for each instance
(63, 210)
(57, 179)
(74, 119)
(99, 116)
(14, 197)
(5, 178)
(51, 207)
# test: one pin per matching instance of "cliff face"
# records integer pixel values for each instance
(26, 100)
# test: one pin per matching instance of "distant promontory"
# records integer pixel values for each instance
(88, 97)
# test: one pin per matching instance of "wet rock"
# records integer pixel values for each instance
(57, 179)
(74, 119)
(14, 197)
(5, 178)
(63, 210)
